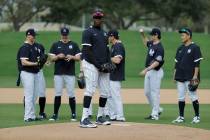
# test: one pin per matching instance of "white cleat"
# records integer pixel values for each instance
(178, 120)
(196, 119)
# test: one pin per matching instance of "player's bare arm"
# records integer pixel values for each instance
(152, 66)
(25, 62)
(143, 37)
(195, 76)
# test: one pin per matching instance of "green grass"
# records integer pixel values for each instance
(12, 115)
(135, 56)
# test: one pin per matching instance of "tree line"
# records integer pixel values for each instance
(120, 14)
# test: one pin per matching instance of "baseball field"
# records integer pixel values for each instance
(136, 108)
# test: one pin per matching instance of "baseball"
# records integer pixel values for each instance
(141, 30)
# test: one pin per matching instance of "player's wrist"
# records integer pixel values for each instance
(148, 69)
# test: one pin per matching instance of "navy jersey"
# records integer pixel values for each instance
(97, 39)
(63, 67)
(41, 49)
(117, 50)
(187, 58)
(30, 53)
(155, 53)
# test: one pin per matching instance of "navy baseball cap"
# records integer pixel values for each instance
(114, 33)
(31, 32)
(98, 14)
(64, 31)
(156, 31)
(186, 31)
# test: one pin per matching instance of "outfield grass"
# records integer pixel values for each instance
(135, 56)
(12, 115)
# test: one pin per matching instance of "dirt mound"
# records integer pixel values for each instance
(117, 131)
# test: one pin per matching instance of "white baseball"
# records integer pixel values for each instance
(141, 30)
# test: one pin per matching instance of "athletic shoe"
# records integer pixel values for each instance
(73, 118)
(29, 120)
(86, 123)
(42, 116)
(120, 119)
(54, 117)
(102, 121)
(150, 117)
(196, 119)
(179, 119)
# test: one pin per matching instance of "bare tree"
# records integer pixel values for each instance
(18, 12)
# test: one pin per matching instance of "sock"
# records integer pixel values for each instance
(42, 102)
(181, 108)
(102, 103)
(72, 104)
(86, 105)
(57, 103)
(196, 107)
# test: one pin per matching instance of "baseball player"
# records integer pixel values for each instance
(95, 53)
(114, 103)
(187, 63)
(64, 53)
(153, 71)
(27, 57)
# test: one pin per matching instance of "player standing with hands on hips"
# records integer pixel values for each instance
(95, 54)
(64, 53)
(187, 63)
(153, 71)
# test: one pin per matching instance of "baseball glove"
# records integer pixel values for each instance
(81, 81)
(193, 85)
(42, 60)
(108, 67)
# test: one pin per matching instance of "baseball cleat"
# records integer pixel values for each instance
(86, 123)
(102, 121)
(54, 117)
(122, 119)
(179, 119)
(196, 119)
(73, 118)
(29, 120)
(42, 116)
(154, 117)
(107, 117)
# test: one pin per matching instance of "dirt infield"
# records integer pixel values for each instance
(117, 131)
(130, 96)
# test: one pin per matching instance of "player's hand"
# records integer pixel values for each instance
(69, 57)
(143, 72)
(61, 56)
